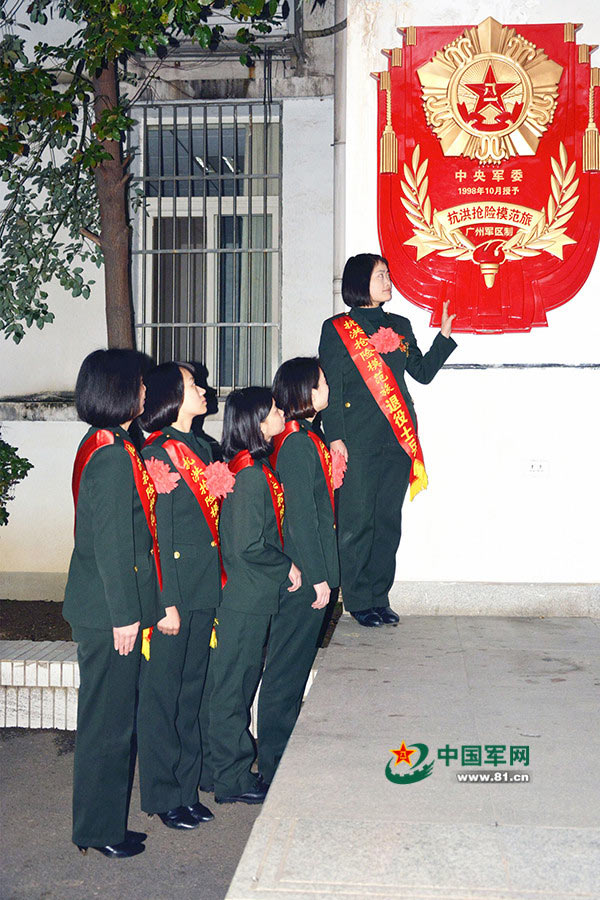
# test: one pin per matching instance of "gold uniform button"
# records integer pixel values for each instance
(176, 554)
(335, 526)
(213, 543)
(135, 568)
(347, 404)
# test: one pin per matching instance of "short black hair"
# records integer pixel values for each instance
(108, 387)
(356, 278)
(245, 409)
(293, 385)
(164, 395)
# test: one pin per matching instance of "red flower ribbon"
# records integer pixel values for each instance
(339, 466)
(385, 340)
(165, 480)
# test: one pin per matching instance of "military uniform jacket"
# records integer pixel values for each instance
(112, 577)
(189, 556)
(308, 525)
(353, 415)
(255, 563)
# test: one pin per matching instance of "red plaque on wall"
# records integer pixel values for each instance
(489, 161)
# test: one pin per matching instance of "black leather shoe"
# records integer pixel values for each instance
(135, 837)
(180, 818)
(200, 812)
(117, 851)
(367, 617)
(256, 795)
(261, 779)
(387, 615)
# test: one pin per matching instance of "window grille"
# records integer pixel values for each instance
(206, 241)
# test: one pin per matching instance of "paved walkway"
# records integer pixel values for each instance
(335, 826)
(39, 861)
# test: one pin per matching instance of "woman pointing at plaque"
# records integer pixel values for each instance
(371, 421)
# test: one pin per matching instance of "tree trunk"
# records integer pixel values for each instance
(115, 231)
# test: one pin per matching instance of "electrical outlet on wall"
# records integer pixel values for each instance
(537, 466)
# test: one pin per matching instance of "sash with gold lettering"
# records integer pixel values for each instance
(322, 449)
(380, 380)
(144, 484)
(191, 468)
(243, 460)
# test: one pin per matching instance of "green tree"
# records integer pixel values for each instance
(64, 120)
(13, 468)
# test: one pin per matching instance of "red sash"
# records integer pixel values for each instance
(380, 380)
(144, 484)
(191, 468)
(322, 449)
(243, 460)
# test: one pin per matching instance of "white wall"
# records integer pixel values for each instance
(39, 534)
(512, 454)
(307, 222)
(48, 360)
(514, 480)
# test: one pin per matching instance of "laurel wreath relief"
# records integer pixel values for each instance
(418, 211)
(548, 234)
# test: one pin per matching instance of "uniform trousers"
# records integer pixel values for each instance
(236, 664)
(105, 746)
(206, 780)
(169, 740)
(370, 523)
(293, 644)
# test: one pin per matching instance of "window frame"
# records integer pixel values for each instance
(214, 209)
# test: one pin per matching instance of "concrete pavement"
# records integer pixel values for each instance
(39, 860)
(334, 825)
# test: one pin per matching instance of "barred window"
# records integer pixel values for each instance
(207, 255)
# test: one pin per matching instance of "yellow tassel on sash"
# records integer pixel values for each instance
(213, 635)
(420, 481)
(146, 635)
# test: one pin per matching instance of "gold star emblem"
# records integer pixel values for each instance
(490, 94)
(403, 754)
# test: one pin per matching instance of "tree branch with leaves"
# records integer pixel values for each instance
(64, 122)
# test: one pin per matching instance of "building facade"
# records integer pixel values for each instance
(257, 185)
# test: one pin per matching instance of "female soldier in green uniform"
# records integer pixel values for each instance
(258, 572)
(371, 421)
(173, 678)
(112, 593)
(303, 464)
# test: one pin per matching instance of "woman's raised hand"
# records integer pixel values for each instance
(295, 577)
(171, 622)
(124, 638)
(340, 447)
(323, 592)
(447, 320)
